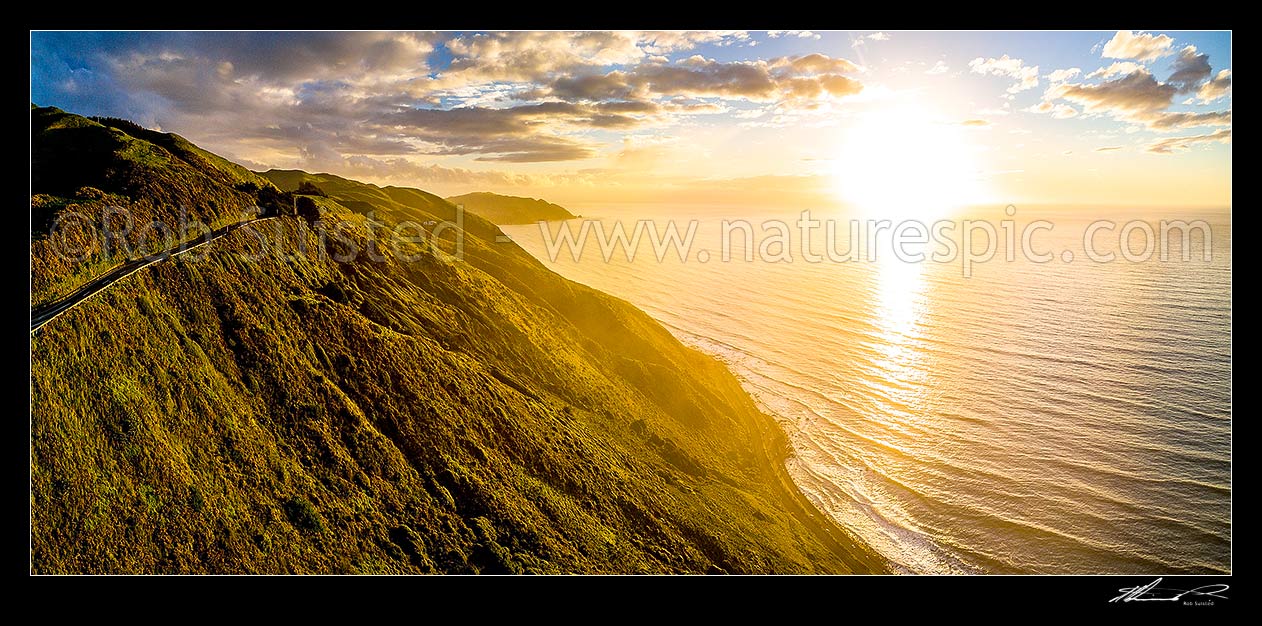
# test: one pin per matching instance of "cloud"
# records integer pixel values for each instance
(1135, 93)
(1191, 68)
(1139, 46)
(802, 34)
(509, 134)
(1130, 93)
(287, 57)
(1027, 77)
(1058, 111)
(1117, 68)
(1215, 88)
(614, 85)
(877, 36)
(533, 56)
(938, 68)
(1180, 120)
(1138, 97)
(1173, 144)
(774, 80)
(813, 63)
(1060, 76)
(528, 56)
(361, 103)
(975, 123)
(1064, 111)
(731, 80)
(1108, 148)
(664, 42)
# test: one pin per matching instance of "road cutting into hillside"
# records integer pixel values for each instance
(49, 312)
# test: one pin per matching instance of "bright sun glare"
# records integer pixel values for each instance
(907, 161)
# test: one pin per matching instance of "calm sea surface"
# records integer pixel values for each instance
(1032, 418)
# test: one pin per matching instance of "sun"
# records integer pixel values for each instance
(907, 161)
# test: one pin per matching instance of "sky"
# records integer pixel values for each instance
(1119, 118)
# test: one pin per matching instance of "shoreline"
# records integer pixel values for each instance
(849, 547)
(859, 556)
(775, 450)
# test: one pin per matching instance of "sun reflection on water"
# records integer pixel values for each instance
(900, 306)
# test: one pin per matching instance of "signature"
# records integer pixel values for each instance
(1152, 593)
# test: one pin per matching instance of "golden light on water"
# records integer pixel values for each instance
(900, 306)
(908, 161)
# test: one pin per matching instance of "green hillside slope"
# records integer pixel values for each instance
(268, 408)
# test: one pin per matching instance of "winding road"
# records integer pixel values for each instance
(49, 312)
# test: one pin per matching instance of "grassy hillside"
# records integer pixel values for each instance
(510, 209)
(85, 173)
(269, 409)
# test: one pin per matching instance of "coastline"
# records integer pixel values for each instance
(860, 557)
(775, 450)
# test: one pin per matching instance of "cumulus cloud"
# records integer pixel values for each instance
(938, 68)
(1117, 68)
(1140, 46)
(1173, 144)
(611, 86)
(1027, 77)
(526, 56)
(778, 79)
(1215, 88)
(812, 64)
(1138, 97)
(1136, 92)
(1128, 91)
(514, 97)
(1190, 69)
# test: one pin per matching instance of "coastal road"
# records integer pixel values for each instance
(49, 312)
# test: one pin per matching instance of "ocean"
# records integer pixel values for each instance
(1032, 417)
